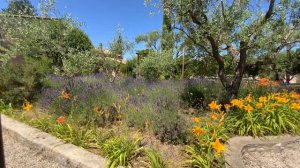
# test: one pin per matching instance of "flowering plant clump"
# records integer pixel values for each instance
(209, 133)
(27, 106)
(273, 114)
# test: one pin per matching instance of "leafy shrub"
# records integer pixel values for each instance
(273, 114)
(78, 40)
(120, 150)
(198, 93)
(79, 63)
(21, 79)
(158, 66)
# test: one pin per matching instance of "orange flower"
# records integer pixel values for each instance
(198, 131)
(237, 102)
(295, 95)
(65, 95)
(214, 106)
(295, 106)
(27, 106)
(248, 108)
(264, 82)
(96, 109)
(218, 146)
(281, 99)
(259, 105)
(60, 119)
(248, 98)
(263, 99)
(214, 116)
(196, 120)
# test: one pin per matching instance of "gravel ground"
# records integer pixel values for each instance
(284, 157)
(20, 156)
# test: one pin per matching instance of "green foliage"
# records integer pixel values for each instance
(129, 68)
(208, 131)
(150, 39)
(79, 63)
(120, 150)
(195, 67)
(78, 40)
(21, 78)
(158, 66)
(273, 114)
(155, 159)
(20, 7)
(198, 95)
(80, 136)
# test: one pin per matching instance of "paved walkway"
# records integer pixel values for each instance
(20, 156)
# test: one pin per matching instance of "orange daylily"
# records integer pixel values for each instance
(196, 120)
(248, 108)
(198, 131)
(248, 98)
(237, 102)
(218, 146)
(214, 116)
(264, 82)
(60, 119)
(281, 99)
(262, 99)
(27, 106)
(295, 106)
(259, 105)
(214, 106)
(65, 95)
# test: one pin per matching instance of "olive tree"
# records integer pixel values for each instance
(234, 28)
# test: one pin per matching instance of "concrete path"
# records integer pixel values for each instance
(20, 156)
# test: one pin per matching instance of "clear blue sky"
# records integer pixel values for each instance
(103, 17)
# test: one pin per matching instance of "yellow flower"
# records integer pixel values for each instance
(214, 106)
(198, 131)
(248, 98)
(248, 108)
(237, 102)
(281, 99)
(214, 116)
(196, 120)
(295, 106)
(218, 146)
(263, 99)
(27, 106)
(259, 105)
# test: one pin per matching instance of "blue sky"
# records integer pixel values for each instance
(103, 17)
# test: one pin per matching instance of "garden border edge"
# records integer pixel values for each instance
(67, 155)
